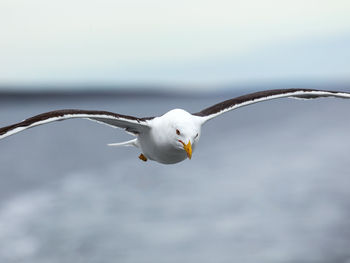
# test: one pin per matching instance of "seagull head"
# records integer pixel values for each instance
(183, 131)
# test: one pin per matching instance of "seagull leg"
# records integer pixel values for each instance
(142, 157)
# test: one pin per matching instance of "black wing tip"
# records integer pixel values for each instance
(6, 129)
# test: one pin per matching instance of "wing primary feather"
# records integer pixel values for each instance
(129, 123)
(261, 96)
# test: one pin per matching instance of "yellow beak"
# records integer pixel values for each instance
(188, 148)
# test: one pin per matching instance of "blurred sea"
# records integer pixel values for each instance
(267, 183)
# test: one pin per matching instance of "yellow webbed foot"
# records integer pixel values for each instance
(142, 157)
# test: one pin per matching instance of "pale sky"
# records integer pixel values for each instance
(181, 42)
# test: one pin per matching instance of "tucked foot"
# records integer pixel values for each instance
(142, 157)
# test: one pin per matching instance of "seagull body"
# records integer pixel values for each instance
(172, 137)
(163, 144)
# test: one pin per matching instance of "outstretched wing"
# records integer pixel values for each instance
(260, 96)
(129, 123)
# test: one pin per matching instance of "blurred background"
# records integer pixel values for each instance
(267, 183)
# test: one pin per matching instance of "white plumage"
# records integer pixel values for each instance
(172, 137)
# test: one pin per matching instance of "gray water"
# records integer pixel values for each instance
(267, 183)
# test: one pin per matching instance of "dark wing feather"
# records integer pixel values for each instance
(260, 96)
(129, 123)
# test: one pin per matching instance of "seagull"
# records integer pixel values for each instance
(172, 137)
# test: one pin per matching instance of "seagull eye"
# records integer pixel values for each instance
(177, 132)
(196, 136)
